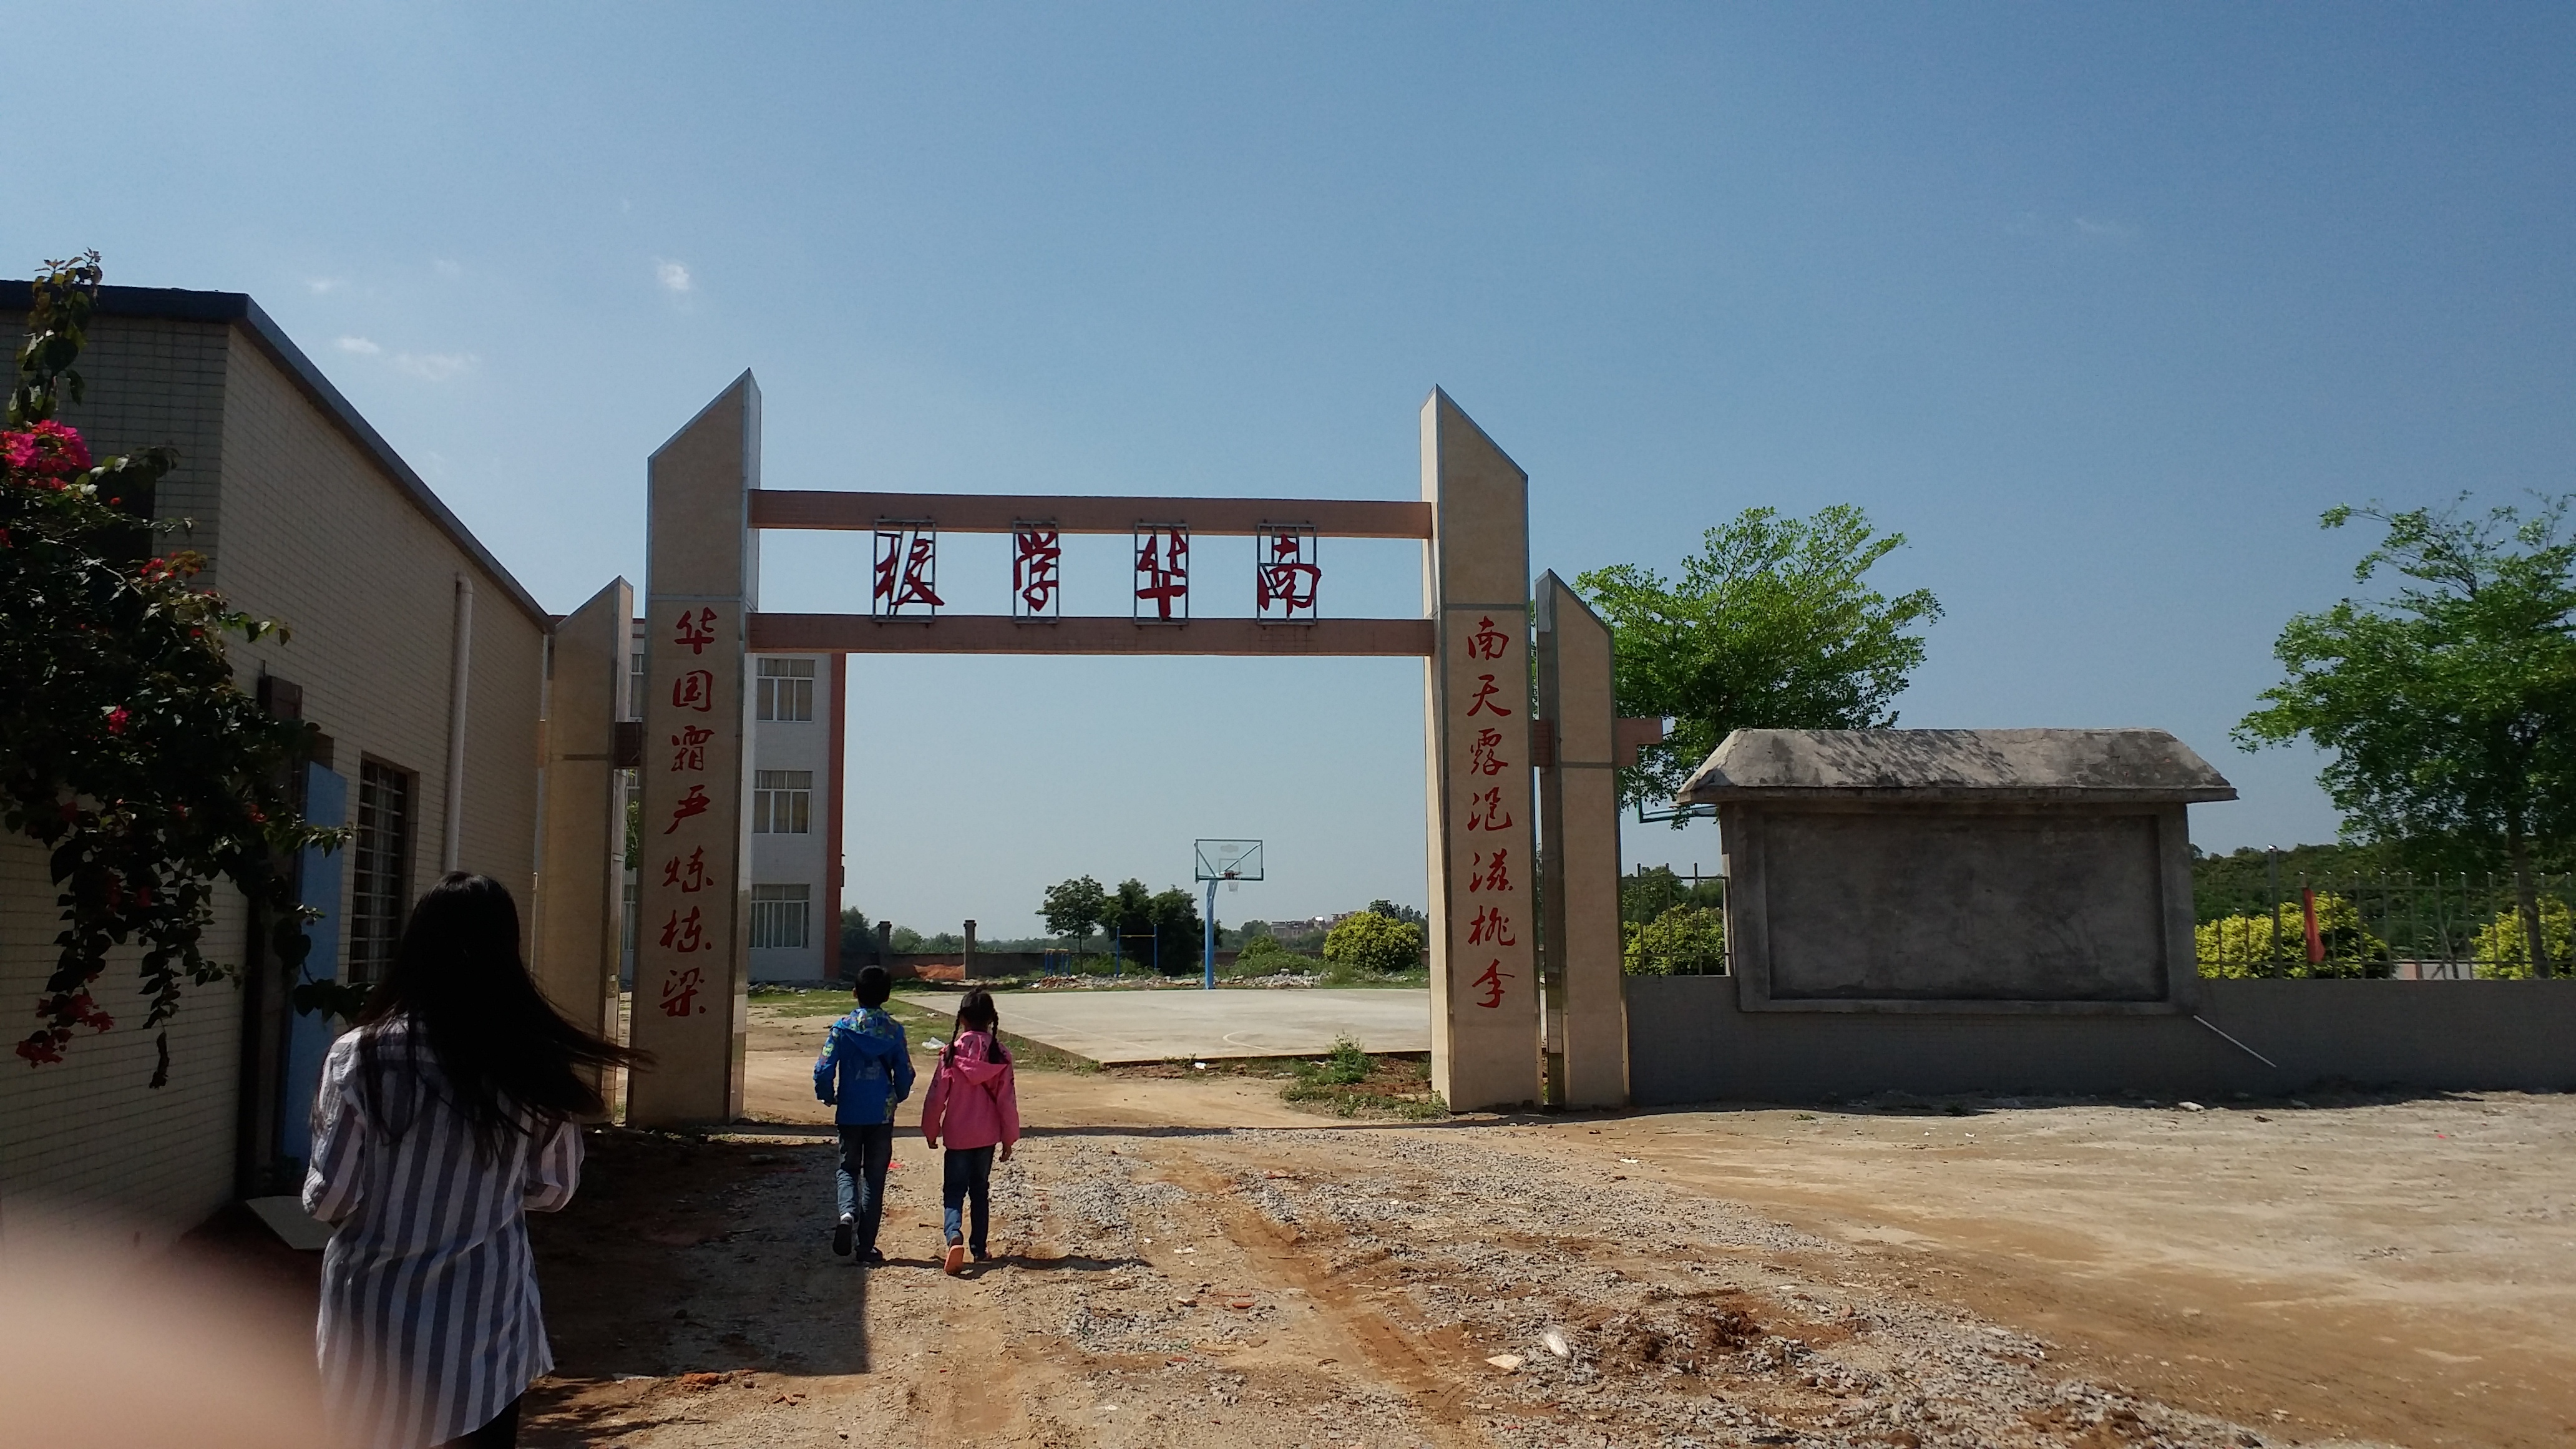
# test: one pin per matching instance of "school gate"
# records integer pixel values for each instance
(1514, 1020)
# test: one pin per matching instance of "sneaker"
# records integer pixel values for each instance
(841, 1238)
(956, 1257)
(874, 1257)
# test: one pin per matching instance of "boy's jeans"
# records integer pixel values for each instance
(865, 1151)
(968, 1174)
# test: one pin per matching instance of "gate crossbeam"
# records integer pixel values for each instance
(1009, 513)
(1002, 634)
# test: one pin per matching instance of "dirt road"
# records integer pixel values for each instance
(1190, 1262)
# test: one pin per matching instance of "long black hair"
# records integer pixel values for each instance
(509, 1059)
(978, 1013)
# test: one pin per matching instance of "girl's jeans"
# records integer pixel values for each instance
(968, 1174)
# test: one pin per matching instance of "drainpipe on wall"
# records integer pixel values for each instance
(452, 842)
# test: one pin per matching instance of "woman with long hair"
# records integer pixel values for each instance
(450, 1111)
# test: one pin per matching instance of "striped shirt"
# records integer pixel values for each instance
(430, 1323)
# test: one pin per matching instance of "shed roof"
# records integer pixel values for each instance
(1965, 766)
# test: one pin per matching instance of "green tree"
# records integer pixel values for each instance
(2450, 707)
(1368, 941)
(1684, 941)
(1772, 626)
(1074, 907)
(1263, 953)
(1147, 925)
(126, 748)
(2503, 946)
(1655, 889)
(1394, 912)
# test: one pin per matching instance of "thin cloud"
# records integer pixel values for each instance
(360, 346)
(2091, 227)
(319, 285)
(672, 276)
(436, 366)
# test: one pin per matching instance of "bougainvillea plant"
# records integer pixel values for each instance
(126, 746)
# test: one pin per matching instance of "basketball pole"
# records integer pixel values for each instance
(1207, 939)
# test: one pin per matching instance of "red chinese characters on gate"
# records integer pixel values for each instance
(1488, 810)
(689, 931)
(1163, 572)
(1036, 554)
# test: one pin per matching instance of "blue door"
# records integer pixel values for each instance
(308, 1038)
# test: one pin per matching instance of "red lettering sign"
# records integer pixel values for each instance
(689, 748)
(1482, 756)
(694, 690)
(1035, 556)
(1492, 875)
(1490, 924)
(1485, 811)
(680, 991)
(1284, 584)
(696, 630)
(1491, 983)
(685, 934)
(1487, 642)
(1484, 701)
(1163, 571)
(689, 875)
(907, 570)
(697, 803)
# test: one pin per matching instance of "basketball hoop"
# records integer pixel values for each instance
(1231, 861)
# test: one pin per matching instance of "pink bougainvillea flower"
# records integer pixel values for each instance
(116, 719)
(54, 450)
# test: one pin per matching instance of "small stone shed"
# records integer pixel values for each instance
(2035, 870)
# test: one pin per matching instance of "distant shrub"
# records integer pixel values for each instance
(1264, 953)
(1683, 941)
(1371, 942)
(2503, 949)
(2277, 944)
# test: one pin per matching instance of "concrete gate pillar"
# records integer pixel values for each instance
(1578, 800)
(579, 877)
(692, 939)
(1484, 879)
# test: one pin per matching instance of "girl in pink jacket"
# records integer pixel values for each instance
(974, 1105)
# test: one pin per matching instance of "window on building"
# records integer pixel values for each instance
(635, 685)
(778, 915)
(782, 802)
(786, 689)
(380, 861)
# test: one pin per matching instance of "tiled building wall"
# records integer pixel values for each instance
(367, 583)
(308, 531)
(86, 1142)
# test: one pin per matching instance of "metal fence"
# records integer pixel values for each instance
(1691, 888)
(2429, 924)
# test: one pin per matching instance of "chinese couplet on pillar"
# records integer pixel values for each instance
(1037, 591)
(1285, 574)
(1163, 573)
(691, 809)
(905, 583)
(1490, 877)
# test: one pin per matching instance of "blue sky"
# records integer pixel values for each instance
(2099, 306)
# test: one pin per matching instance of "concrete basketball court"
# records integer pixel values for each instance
(1116, 1027)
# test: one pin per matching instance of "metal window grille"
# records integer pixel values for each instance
(782, 802)
(786, 689)
(778, 915)
(380, 857)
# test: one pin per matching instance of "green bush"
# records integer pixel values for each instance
(2503, 949)
(1371, 942)
(2277, 944)
(1262, 954)
(1683, 941)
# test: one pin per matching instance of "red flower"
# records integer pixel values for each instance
(116, 719)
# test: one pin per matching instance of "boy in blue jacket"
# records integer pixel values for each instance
(865, 1069)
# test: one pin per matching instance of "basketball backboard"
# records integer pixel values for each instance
(1229, 860)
